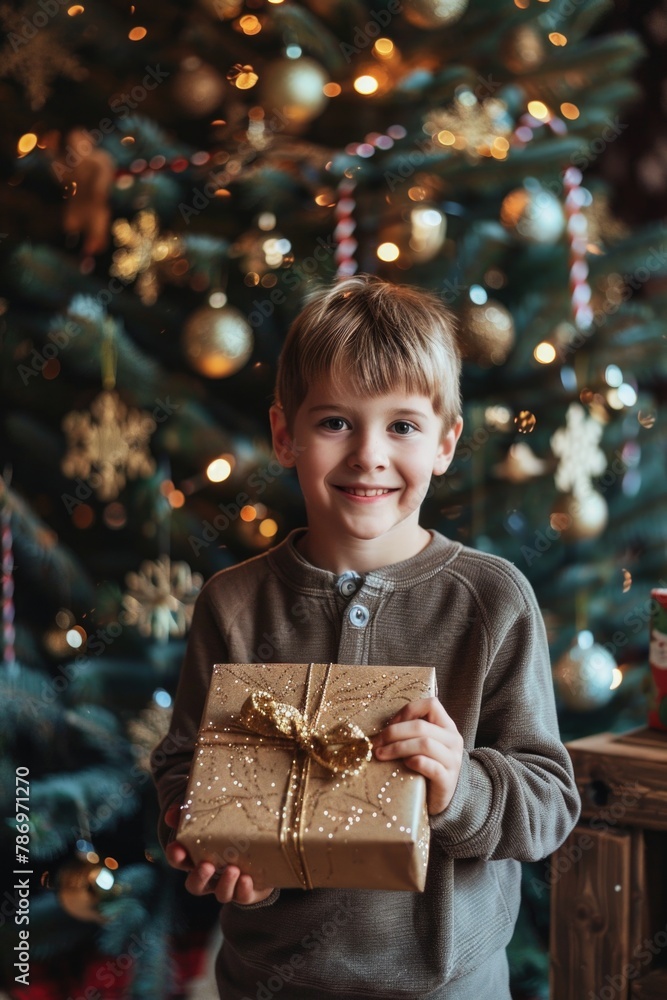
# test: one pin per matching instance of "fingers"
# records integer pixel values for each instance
(425, 746)
(178, 857)
(430, 709)
(172, 814)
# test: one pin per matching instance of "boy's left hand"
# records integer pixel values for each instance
(426, 738)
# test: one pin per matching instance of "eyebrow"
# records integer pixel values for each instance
(396, 413)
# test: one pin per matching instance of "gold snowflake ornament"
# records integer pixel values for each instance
(478, 128)
(34, 58)
(576, 445)
(142, 251)
(108, 445)
(160, 598)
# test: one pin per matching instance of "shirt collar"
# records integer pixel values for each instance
(301, 575)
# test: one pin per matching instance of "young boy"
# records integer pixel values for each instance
(367, 410)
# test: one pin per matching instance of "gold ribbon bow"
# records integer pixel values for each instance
(343, 748)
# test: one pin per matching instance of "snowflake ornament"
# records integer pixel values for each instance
(160, 598)
(34, 56)
(142, 251)
(576, 445)
(470, 125)
(108, 445)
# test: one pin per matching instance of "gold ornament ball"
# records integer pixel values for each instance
(533, 214)
(217, 342)
(579, 519)
(522, 49)
(294, 88)
(80, 890)
(197, 88)
(487, 333)
(583, 675)
(434, 13)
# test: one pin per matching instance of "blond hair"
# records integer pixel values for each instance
(374, 337)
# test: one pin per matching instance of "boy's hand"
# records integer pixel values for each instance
(427, 739)
(227, 884)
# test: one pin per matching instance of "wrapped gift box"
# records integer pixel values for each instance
(284, 783)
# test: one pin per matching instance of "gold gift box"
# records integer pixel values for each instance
(284, 783)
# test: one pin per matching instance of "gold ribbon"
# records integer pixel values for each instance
(343, 749)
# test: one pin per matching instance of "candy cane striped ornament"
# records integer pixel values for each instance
(346, 244)
(577, 225)
(8, 632)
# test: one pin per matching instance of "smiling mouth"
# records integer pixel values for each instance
(353, 491)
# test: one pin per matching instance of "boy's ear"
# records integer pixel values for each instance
(447, 448)
(281, 437)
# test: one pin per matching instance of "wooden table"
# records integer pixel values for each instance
(609, 879)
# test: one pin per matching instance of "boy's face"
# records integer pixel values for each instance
(364, 466)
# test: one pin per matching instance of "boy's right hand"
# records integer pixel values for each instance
(227, 885)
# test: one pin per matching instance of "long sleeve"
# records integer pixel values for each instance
(172, 757)
(516, 796)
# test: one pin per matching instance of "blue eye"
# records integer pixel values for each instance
(404, 428)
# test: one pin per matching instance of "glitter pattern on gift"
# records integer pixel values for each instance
(284, 783)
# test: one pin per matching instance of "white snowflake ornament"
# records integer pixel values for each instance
(160, 598)
(576, 445)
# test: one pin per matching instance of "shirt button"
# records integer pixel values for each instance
(359, 615)
(348, 583)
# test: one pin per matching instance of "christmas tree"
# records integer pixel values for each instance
(178, 178)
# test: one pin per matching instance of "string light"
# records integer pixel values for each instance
(388, 252)
(545, 353)
(366, 84)
(219, 470)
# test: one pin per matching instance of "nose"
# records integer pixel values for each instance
(368, 451)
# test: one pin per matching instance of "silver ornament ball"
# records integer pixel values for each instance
(584, 674)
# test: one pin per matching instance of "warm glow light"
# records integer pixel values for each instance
(616, 678)
(137, 34)
(383, 47)
(557, 39)
(545, 353)
(521, 4)
(366, 84)
(446, 137)
(246, 79)
(388, 251)
(111, 863)
(248, 513)
(76, 636)
(250, 25)
(26, 143)
(218, 470)
(331, 89)
(75, 9)
(500, 142)
(268, 528)
(570, 111)
(538, 110)
(176, 498)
